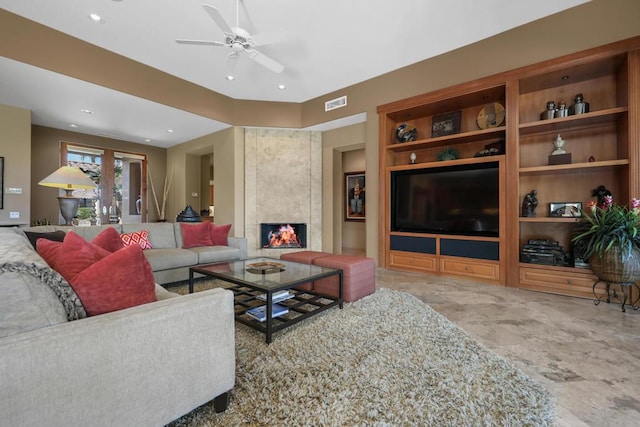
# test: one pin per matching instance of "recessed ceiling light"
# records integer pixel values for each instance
(73, 125)
(230, 77)
(170, 130)
(86, 111)
(146, 140)
(96, 18)
(282, 87)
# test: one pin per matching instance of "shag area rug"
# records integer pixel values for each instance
(385, 360)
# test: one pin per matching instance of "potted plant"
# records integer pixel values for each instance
(607, 236)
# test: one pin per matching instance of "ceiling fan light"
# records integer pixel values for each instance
(96, 18)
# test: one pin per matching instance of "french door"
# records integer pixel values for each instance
(120, 195)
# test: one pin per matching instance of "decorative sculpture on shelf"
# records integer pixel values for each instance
(559, 144)
(404, 134)
(529, 204)
(601, 192)
(579, 105)
(550, 112)
(562, 110)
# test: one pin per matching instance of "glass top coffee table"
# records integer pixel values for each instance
(266, 293)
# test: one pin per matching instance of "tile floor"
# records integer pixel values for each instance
(587, 355)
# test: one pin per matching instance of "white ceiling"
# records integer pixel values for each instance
(330, 44)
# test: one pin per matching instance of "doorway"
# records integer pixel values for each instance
(120, 196)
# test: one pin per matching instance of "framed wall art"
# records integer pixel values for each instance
(565, 209)
(445, 124)
(354, 192)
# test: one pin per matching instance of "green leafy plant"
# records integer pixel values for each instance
(603, 227)
(84, 213)
(448, 153)
(43, 221)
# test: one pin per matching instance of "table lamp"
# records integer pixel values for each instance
(68, 178)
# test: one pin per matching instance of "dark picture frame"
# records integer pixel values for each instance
(446, 124)
(355, 204)
(565, 209)
(1, 182)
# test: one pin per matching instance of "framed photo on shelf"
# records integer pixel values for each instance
(565, 209)
(354, 194)
(446, 124)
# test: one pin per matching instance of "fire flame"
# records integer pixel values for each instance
(285, 236)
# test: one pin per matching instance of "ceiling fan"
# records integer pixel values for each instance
(239, 40)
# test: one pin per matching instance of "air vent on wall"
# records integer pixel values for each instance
(335, 103)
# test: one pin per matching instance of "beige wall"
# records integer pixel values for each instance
(206, 176)
(227, 148)
(192, 181)
(15, 147)
(184, 161)
(45, 158)
(334, 144)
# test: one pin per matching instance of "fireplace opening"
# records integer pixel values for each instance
(283, 235)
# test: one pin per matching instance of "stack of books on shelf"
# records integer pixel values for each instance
(260, 313)
(277, 296)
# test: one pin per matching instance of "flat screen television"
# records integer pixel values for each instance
(461, 200)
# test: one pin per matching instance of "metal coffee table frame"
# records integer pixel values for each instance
(247, 286)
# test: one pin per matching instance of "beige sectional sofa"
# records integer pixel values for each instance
(144, 365)
(169, 261)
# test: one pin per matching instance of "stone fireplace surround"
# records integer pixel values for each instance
(283, 180)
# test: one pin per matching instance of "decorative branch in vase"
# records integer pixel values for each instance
(168, 179)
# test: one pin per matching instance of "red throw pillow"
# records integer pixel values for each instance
(76, 254)
(219, 234)
(109, 239)
(48, 250)
(140, 238)
(120, 280)
(195, 235)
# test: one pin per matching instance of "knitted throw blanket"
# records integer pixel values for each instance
(65, 293)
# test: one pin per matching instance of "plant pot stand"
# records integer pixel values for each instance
(626, 292)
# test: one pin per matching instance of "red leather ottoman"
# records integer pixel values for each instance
(304, 257)
(358, 276)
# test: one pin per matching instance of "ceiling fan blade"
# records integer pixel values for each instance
(201, 42)
(270, 37)
(218, 19)
(265, 61)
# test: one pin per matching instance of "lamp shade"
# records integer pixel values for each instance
(68, 178)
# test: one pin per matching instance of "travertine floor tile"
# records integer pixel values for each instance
(587, 355)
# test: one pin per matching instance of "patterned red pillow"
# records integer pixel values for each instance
(219, 234)
(195, 235)
(140, 238)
